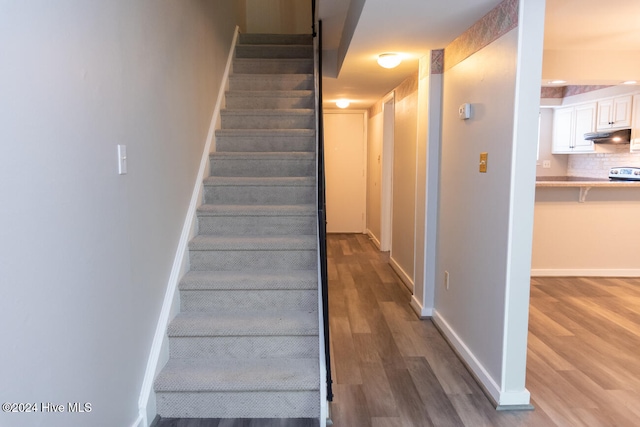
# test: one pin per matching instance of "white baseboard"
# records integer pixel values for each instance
(422, 312)
(373, 238)
(502, 400)
(404, 277)
(576, 272)
(146, 402)
(139, 422)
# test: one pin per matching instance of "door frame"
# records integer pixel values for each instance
(386, 183)
(365, 119)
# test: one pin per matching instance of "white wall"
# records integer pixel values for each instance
(404, 180)
(85, 253)
(484, 233)
(278, 16)
(558, 162)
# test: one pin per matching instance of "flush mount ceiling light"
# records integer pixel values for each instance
(630, 82)
(389, 60)
(342, 103)
(557, 82)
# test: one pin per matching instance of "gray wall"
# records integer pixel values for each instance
(85, 254)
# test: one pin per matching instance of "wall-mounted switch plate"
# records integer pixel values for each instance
(122, 159)
(464, 111)
(483, 162)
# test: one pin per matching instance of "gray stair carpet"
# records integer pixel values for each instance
(245, 342)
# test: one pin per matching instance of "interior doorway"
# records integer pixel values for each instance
(345, 159)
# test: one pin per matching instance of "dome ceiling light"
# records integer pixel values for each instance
(342, 103)
(389, 60)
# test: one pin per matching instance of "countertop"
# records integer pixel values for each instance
(577, 181)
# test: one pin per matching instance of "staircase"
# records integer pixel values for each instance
(246, 341)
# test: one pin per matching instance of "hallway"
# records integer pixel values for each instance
(391, 369)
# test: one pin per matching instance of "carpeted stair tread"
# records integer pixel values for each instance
(259, 181)
(271, 93)
(268, 112)
(257, 280)
(256, 210)
(202, 375)
(282, 133)
(281, 39)
(260, 82)
(257, 323)
(206, 242)
(264, 155)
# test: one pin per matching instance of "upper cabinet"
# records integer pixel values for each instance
(569, 126)
(614, 113)
(635, 125)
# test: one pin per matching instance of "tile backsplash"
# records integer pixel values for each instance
(597, 165)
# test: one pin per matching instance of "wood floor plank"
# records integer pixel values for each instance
(583, 352)
(434, 398)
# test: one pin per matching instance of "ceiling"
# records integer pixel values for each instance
(583, 28)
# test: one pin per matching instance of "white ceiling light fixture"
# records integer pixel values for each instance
(342, 103)
(630, 82)
(557, 82)
(389, 60)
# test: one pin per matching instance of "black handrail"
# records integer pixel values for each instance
(322, 209)
(313, 19)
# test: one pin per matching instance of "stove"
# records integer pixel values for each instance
(629, 173)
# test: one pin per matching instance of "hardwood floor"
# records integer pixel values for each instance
(391, 369)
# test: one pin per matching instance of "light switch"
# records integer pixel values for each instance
(122, 159)
(464, 111)
(483, 162)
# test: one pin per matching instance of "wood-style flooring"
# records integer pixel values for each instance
(391, 369)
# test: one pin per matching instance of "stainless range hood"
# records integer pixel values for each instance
(620, 136)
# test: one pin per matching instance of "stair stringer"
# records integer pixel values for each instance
(159, 352)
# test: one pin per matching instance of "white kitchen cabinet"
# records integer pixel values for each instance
(635, 125)
(569, 126)
(614, 113)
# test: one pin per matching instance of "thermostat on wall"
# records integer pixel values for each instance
(464, 111)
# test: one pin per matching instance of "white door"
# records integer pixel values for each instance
(344, 145)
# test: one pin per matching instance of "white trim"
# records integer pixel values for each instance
(180, 261)
(422, 312)
(499, 398)
(139, 422)
(373, 238)
(386, 178)
(573, 272)
(404, 277)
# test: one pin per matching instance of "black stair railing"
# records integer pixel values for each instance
(322, 221)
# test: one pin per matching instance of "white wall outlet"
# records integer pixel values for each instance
(122, 159)
(546, 164)
(464, 111)
(446, 280)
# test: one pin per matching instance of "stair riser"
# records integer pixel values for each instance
(233, 120)
(263, 195)
(258, 144)
(299, 39)
(274, 51)
(268, 102)
(276, 404)
(210, 300)
(256, 225)
(244, 347)
(252, 260)
(271, 82)
(261, 66)
(262, 167)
